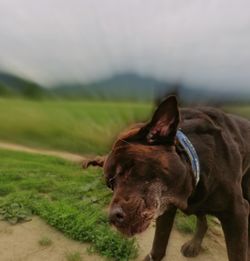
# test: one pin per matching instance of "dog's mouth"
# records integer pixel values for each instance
(134, 216)
(135, 224)
(133, 230)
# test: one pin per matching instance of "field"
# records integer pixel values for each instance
(70, 199)
(82, 127)
(75, 126)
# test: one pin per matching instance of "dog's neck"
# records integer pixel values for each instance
(188, 152)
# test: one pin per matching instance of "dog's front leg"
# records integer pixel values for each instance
(193, 247)
(164, 225)
(235, 228)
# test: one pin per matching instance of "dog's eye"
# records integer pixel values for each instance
(111, 183)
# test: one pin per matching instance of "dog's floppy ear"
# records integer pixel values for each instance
(163, 125)
(97, 161)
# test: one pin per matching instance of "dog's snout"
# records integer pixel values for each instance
(117, 215)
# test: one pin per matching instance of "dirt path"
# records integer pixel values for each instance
(20, 242)
(60, 154)
(213, 246)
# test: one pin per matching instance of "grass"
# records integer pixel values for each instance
(74, 256)
(68, 198)
(45, 241)
(76, 126)
(243, 110)
(14, 212)
(185, 224)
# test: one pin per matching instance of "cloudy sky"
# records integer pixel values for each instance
(203, 43)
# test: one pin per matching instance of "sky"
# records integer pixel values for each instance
(199, 43)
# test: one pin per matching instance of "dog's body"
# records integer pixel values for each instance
(222, 142)
(151, 176)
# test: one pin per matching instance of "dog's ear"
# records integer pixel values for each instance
(97, 161)
(164, 123)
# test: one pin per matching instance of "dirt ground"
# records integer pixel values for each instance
(60, 154)
(213, 246)
(20, 242)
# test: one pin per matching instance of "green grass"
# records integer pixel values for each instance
(76, 126)
(45, 241)
(185, 224)
(243, 110)
(74, 256)
(68, 198)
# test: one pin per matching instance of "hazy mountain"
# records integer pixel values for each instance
(119, 87)
(213, 97)
(12, 85)
(123, 86)
(135, 87)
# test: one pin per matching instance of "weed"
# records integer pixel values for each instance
(45, 241)
(6, 189)
(185, 224)
(14, 213)
(74, 256)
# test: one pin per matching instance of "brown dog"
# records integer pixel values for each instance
(151, 177)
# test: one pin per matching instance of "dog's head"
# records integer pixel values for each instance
(146, 173)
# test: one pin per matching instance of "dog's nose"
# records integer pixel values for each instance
(116, 215)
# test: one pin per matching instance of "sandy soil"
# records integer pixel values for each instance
(20, 242)
(213, 247)
(60, 154)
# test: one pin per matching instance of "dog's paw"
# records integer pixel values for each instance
(150, 258)
(190, 249)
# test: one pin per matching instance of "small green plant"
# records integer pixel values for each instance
(73, 256)
(185, 224)
(14, 213)
(88, 225)
(6, 189)
(45, 241)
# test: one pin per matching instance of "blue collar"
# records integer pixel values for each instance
(191, 153)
